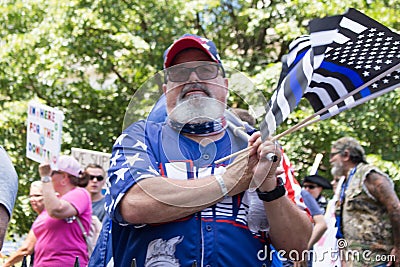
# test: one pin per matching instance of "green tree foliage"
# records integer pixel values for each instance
(88, 58)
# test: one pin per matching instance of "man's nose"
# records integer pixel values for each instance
(193, 76)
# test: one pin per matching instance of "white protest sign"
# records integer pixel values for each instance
(44, 129)
(326, 251)
(86, 157)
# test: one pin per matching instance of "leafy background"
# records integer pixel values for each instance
(88, 58)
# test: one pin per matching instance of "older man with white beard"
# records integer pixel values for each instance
(170, 203)
(368, 212)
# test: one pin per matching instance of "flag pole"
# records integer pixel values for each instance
(296, 128)
(233, 155)
(276, 137)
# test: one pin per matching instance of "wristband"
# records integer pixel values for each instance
(278, 192)
(222, 185)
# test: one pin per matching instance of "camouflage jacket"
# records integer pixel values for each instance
(365, 222)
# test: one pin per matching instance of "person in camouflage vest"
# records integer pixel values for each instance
(368, 212)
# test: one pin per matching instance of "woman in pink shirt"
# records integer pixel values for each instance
(59, 238)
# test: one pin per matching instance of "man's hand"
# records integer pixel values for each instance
(253, 169)
(265, 171)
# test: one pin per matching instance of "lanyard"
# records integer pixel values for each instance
(346, 184)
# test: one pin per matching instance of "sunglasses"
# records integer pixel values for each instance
(98, 177)
(204, 72)
(331, 155)
(309, 186)
(35, 196)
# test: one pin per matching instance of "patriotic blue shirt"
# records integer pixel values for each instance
(216, 236)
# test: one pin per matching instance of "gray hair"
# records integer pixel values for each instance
(37, 184)
(357, 153)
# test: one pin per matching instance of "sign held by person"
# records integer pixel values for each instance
(44, 129)
(86, 157)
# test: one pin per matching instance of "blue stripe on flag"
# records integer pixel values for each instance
(299, 57)
(349, 73)
(295, 86)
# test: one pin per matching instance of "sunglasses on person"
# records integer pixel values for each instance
(98, 177)
(331, 155)
(180, 73)
(35, 196)
(310, 186)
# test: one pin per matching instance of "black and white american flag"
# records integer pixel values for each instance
(362, 63)
(303, 62)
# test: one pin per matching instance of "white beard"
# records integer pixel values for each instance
(337, 169)
(197, 109)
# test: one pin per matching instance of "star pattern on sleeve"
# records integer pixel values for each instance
(120, 174)
(107, 207)
(140, 144)
(115, 158)
(119, 139)
(108, 185)
(131, 160)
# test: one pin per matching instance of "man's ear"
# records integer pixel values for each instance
(164, 88)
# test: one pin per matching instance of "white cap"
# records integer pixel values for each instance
(69, 165)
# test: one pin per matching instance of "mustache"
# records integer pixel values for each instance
(194, 86)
